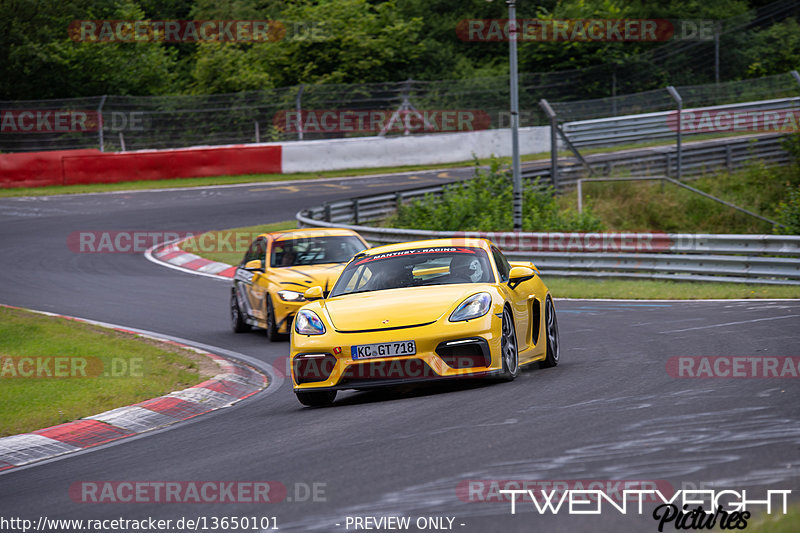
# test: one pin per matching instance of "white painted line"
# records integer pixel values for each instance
(732, 323)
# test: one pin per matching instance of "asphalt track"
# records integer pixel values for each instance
(609, 411)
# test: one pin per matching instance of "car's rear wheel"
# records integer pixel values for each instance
(271, 323)
(508, 347)
(551, 330)
(237, 319)
(316, 398)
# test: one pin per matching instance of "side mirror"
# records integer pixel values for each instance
(519, 275)
(254, 266)
(313, 293)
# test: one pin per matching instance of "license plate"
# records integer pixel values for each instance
(383, 349)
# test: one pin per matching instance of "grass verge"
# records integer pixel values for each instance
(98, 369)
(568, 287)
(777, 522)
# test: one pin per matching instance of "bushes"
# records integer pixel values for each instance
(484, 203)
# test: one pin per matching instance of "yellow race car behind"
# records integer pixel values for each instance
(277, 269)
(423, 310)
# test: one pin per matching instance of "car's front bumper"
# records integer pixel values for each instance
(324, 362)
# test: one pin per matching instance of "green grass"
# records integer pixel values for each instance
(776, 522)
(569, 287)
(138, 368)
(229, 245)
(654, 206)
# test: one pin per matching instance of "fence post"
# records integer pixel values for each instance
(355, 211)
(553, 141)
(100, 121)
(326, 212)
(796, 76)
(258, 136)
(299, 108)
(677, 97)
(398, 199)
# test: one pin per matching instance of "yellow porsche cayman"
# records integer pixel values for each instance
(277, 269)
(418, 311)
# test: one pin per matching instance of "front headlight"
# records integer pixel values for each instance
(308, 323)
(475, 306)
(291, 296)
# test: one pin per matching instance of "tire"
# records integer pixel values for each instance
(551, 330)
(508, 347)
(237, 320)
(316, 398)
(269, 319)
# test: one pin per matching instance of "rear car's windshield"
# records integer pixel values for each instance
(314, 250)
(415, 268)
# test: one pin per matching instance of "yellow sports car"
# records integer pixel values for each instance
(417, 311)
(277, 269)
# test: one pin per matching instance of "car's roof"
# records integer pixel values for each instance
(304, 233)
(469, 242)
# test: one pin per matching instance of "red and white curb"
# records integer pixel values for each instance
(172, 256)
(235, 382)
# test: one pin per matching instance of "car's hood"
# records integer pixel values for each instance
(395, 308)
(296, 277)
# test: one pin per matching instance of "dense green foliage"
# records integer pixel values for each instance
(337, 41)
(484, 204)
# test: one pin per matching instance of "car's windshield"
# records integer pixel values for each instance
(314, 250)
(414, 268)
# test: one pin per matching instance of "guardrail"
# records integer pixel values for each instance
(650, 126)
(699, 158)
(771, 259)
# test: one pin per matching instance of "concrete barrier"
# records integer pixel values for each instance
(373, 152)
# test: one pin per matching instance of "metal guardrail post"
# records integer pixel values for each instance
(355, 211)
(545, 105)
(100, 122)
(398, 199)
(258, 133)
(677, 97)
(326, 216)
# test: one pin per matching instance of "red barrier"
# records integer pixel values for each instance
(92, 166)
(35, 169)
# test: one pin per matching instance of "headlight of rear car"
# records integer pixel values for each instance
(291, 296)
(308, 323)
(473, 307)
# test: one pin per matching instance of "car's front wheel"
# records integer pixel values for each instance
(508, 347)
(238, 323)
(316, 398)
(551, 330)
(271, 323)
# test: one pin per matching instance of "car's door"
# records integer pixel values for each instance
(521, 298)
(248, 281)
